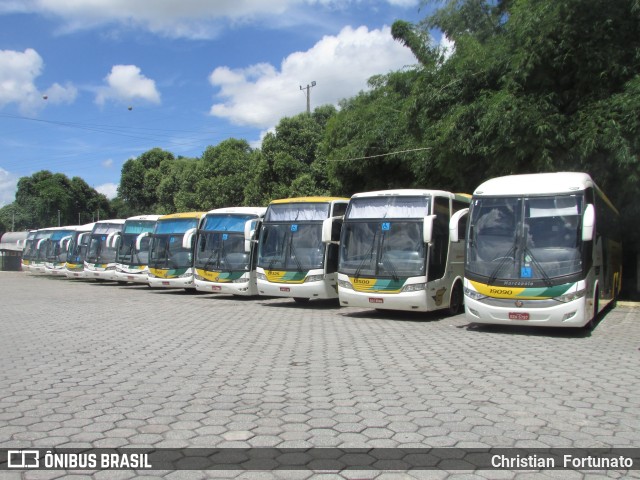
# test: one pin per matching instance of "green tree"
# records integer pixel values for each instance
(140, 179)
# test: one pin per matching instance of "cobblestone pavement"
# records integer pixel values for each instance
(102, 365)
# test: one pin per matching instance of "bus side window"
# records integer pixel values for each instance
(339, 209)
(440, 244)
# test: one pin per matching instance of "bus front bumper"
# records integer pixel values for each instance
(571, 314)
(405, 301)
(178, 282)
(324, 289)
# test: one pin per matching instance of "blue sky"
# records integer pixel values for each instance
(87, 84)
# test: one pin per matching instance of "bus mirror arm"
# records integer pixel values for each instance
(588, 223)
(427, 229)
(139, 240)
(454, 233)
(188, 237)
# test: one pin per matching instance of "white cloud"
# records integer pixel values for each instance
(18, 73)
(260, 94)
(108, 163)
(126, 83)
(184, 18)
(109, 190)
(8, 187)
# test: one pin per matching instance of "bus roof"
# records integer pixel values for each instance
(114, 221)
(413, 192)
(535, 184)
(258, 211)
(152, 218)
(173, 216)
(310, 200)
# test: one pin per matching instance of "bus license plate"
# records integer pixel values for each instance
(166, 283)
(130, 277)
(216, 288)
(518, 316)
(376, 300)
(285, 289)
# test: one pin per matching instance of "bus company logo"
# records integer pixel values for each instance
(23, 459)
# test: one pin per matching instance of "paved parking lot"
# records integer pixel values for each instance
(101, 365)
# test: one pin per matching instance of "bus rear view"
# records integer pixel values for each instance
(541, 250)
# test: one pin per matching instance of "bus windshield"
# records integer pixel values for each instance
(382, 249)
(97, 251)
(77, 251)
(525, 238)
(127, 252)
(291, 246)
(54, 251)
(220, 244)
(166, 250)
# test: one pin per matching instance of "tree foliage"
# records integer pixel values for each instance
(47, 199)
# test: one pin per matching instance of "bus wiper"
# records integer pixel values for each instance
(545, 278)
(369, 254)
(293, 254)
(503, 261)
(386, 263)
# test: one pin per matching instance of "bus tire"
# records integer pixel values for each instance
(591, 324)
(456, 300)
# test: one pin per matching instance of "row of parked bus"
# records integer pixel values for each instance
(538, 249)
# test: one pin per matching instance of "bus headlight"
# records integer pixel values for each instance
(345, 284)
(185, 275)
(314, 278)
(198, 277)
(473, 294)
(414, 287)
(240, 280)
(570, 297)
(261, 276)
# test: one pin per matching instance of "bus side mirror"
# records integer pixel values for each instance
(188, 237)
(454, 223)
(81, 237)
(588, 223)
(250, 228)
(331, 229)
(40, 242)
(114, 239)
(427, 228)
(64, 240)
(139, 240)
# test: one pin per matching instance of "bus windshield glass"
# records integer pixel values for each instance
(98, 252)
(389, 249)
(220, 244)
(525, 238)
(291, 246)
(54, 251)
(127, 252)
(166, 250)
(77, 250)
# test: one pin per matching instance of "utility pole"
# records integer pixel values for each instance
(308, 89)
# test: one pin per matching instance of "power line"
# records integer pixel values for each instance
(380, 155)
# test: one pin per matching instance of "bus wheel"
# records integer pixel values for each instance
(455, 302)
(590, 325)
(300, 300)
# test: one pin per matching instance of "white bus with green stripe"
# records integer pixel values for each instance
(295, 258)
(396, 251)
(225, 253)
(542, 250)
